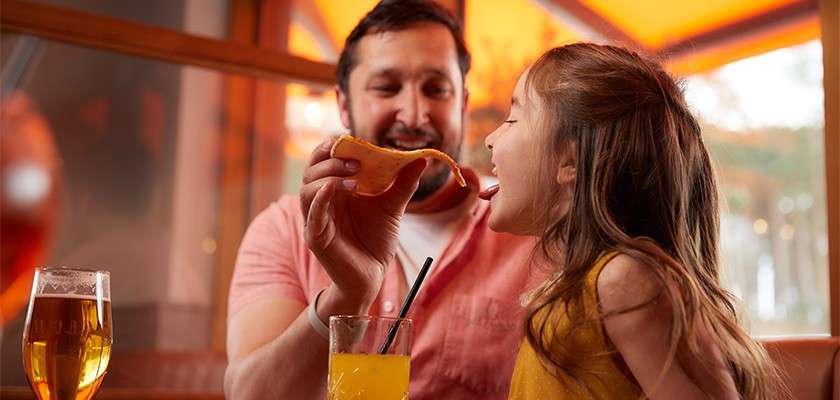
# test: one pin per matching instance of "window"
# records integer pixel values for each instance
(136, 145)
(762, 121)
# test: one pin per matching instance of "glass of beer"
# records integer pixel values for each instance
(67, 337)
(357, 368)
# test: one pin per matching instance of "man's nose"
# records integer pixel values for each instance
(413, 108)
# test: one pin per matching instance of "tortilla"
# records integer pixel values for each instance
(379, 167)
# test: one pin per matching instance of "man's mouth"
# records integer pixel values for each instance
(408, 143)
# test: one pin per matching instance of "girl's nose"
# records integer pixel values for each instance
(490, 139)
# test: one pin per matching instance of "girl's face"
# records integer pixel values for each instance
(515, 158)
(517, 153)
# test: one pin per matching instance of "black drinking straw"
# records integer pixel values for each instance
(406, 304)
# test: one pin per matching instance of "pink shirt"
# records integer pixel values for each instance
(467, 316)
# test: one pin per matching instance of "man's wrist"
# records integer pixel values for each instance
(315, 321)
(333, 301)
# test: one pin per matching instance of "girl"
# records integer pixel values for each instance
(602, 160)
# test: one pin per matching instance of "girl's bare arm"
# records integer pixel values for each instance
(643, 338)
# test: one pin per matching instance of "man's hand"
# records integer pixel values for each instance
(354, 237)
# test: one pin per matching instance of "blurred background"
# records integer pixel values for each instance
(142, 137)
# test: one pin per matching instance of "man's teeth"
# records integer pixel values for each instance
(410, 144)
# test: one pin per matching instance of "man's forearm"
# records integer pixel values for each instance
(293, 365)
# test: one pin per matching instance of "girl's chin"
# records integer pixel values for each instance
(495, 227)
(499, 223)
(495, 222)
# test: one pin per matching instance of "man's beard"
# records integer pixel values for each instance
(428, 184)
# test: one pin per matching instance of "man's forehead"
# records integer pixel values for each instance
(431, 47)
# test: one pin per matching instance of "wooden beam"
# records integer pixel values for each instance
(595, 22)
(112, 34)
(768, 20)
(830, 20)
(255, 135)
(270, 111)
(235, 169)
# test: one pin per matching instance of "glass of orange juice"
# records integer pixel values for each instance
(357, 369)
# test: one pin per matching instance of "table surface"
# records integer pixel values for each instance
(23, 393)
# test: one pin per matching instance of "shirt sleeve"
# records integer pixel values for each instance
(265, 265)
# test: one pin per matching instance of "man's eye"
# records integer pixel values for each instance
(438, 90)
(386, 88)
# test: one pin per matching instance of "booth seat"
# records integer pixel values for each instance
(811, 366)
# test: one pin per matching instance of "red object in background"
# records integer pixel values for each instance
(29, 188)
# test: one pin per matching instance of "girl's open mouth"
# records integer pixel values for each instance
(488, 193)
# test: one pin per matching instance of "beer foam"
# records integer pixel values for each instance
(70, 296)
(66, 282)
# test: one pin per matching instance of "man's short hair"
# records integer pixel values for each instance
(393, 15)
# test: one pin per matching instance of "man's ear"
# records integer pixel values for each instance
(466, 100)
(343, 102)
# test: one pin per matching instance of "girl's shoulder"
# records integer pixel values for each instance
(623, 282)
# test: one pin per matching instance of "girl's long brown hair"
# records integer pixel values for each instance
(644, 187)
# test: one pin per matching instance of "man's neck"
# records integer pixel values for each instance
(450, 195)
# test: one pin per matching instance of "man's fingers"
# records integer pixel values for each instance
(319, 230)
(322, 152)
(310, 190)
(330, 167)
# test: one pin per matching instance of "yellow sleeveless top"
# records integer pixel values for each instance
(603, 379)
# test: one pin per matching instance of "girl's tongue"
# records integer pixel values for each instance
(488, 193)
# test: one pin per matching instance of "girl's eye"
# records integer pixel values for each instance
(511, 121)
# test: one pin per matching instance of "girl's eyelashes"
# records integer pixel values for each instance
(511, 121)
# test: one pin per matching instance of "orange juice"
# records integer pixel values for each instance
(368, 376)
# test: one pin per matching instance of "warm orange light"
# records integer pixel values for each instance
(329, 24)
(303, 43)
(760, 226)
(655, 22)
(709, 59)
(505, 36)
(787, 232)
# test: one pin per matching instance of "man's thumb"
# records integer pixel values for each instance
(408, 180)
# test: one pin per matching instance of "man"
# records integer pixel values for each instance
(400, 85)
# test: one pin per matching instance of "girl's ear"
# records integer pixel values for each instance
(567, 168)
(566, 174)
